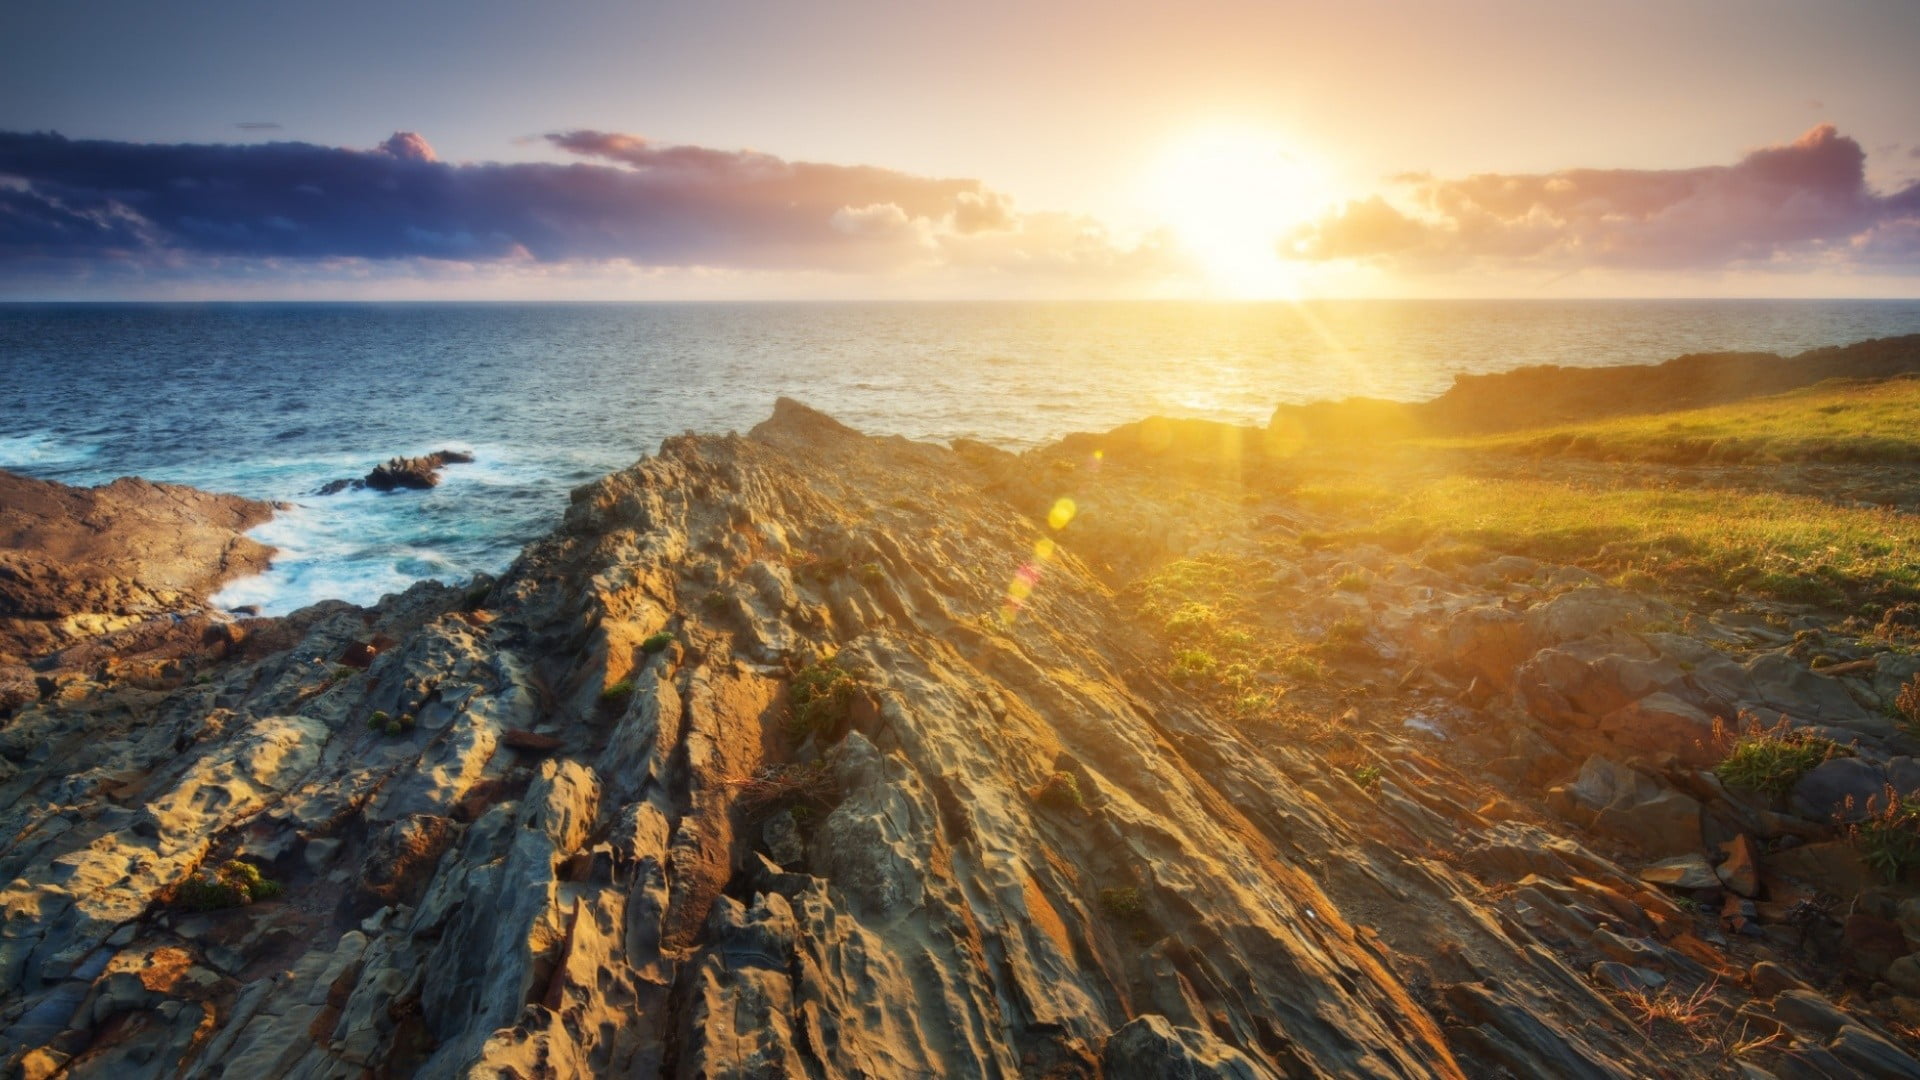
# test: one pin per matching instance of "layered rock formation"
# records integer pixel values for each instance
(809, 753)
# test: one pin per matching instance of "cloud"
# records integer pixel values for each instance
(1797, 205)
(258, 125)
(409, 146)
(626, 201)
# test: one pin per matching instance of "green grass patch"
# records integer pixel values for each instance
(1205, 607)
(1787, 547)
(1123, 903)
(1832, 422)
(657, 642)
(1772, 760)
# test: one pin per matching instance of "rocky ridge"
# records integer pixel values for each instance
(815, 753)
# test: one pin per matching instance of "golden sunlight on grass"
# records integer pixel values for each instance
(1791, 546)
(1231, 194)
(1837, 422)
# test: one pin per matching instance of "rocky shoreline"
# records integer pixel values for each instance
(118, 574)
(815, 753)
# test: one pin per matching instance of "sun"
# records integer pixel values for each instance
(1230, 195)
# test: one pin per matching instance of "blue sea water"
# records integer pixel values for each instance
(273, 400)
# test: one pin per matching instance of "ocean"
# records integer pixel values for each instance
(274, 400)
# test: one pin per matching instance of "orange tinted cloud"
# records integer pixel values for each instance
(1802, 203)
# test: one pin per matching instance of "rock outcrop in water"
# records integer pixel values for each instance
(810, 753)
(126, 561)
(414, 473)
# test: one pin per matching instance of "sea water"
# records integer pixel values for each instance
(274, 400)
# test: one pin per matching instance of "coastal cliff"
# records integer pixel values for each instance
(814, 753)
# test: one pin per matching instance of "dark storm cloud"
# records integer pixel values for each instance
(648, 204)
(1785, 206)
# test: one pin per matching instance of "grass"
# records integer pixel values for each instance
(1204, 608)
(822, 697)
(1123, 903)
(1844, 423)
(1772, 760)
(617, 693)
(1789, 547)
(657, 642)
(1639, 527)
(1365, 775)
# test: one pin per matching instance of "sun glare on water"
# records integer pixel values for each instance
(1231, 195)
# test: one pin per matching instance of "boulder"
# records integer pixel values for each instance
(1682, 872)
(1488, 642)
(1782, 685)
(1741, 870)
(1839, 789)
(401, 860)
(1583, 613)
(1663, 722)
(1575, 684)
(1627, 804)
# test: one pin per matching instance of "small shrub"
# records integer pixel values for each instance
(1907, 704)
(1192, 664)
(1123, 902)
(657, 642)
(714, 601)
(618, 693)
(394, 728)
(407, 721)
(1303, 668)
(1772, 760)
(1191, 619)
(1889, 840)
(822, 697)
(800, 788)
(1366, 775)
(377, 721)
(872, 573)
(1061, 792)
(234, 883)
(1353, 581)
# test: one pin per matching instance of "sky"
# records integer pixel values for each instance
(752, 149)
